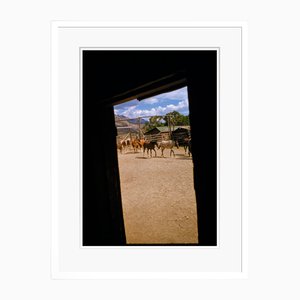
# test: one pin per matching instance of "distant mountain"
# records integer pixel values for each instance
(119, 121)
(120, 117)
(136, 121)
(123, 121)
(125, 126)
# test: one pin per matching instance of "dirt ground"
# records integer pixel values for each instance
(158, 198)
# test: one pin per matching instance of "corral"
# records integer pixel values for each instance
(158, 198)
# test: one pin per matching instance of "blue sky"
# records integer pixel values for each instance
(157, 105)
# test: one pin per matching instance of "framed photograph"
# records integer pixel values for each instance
(147, 150)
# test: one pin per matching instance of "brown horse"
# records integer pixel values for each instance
(120, 147)
(124, 145)
(136, 144)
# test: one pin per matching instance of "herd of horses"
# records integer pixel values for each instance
(143, 144)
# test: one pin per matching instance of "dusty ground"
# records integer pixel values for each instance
(158, 198)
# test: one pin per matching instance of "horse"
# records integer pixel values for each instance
(190, 147)
(186, 143)
(128, 143)
(167, 145)
(136, 144)
(142, 142)
(125, 144)
(149, 145)
(120, 146)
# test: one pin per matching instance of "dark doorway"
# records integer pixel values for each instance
(112, 77)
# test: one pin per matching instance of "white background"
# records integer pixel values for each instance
(68, 256)
(273, 138)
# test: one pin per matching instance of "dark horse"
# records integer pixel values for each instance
(149, 145)
(187, 145)
(190, 147)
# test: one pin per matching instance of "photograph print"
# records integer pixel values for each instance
(149, 147)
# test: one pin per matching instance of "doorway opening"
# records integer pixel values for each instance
(156, 170)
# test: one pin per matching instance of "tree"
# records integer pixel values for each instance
(154, 121)
(176, 119)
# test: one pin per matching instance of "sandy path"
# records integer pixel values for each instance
(158, 198)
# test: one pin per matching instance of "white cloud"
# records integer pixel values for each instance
(180, 105)
(180, 94)
(151, 101)
(133, 112)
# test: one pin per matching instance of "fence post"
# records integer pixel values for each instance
(139, 127)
